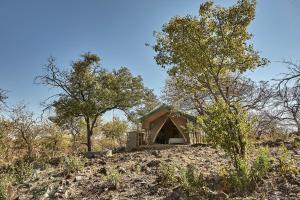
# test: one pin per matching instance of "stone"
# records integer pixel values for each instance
(101, 162)
(153, 163)
(156, 153)
(108, 153)
(89, 155)
(121, 170)
(78, 178)
(102, 170)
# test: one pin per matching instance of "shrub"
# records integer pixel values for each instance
(22, 170)
(247, 176)
(5, 181)
(228, 127)
(168, 174)
(261, 165)
(286, 162)
(296, 143)
(191, 181)
(239, 180)
(113, 177)
(71, 164)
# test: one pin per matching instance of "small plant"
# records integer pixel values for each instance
(22, 170)
(296, 143)
(239, 180)
(5, 181)
(168, 174)
(247, 175)
(71, 164)
(113, 177)
(191, 181)
(261, 165)
(286, 162)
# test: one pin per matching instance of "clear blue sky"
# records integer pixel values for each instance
(33, 30)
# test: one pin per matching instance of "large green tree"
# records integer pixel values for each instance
(206, 56)
(88, 90)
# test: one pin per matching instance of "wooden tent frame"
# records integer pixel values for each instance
(179, 129)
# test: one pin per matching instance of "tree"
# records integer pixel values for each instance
(2, 96)
(227, 129)
(89, 91)
(115, 129)
(148, 103)
(6, 141)
(24, 128)
(207, 55)
(286, 96)
(74, 125)
(287, 103)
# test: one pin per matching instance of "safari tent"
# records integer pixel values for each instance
(164, 125)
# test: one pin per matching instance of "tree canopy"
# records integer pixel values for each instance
(88, 90)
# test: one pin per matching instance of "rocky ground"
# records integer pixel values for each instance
(138, 177)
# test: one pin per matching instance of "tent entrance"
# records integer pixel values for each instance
(167, 132)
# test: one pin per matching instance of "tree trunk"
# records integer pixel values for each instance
(89, 141)
(89, 133)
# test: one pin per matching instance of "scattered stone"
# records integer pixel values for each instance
(156, 153)
(89, 155)
(153, 163)
(108, 153)
(78, 178)
(101, 162)
(121, 170)
(102, 170)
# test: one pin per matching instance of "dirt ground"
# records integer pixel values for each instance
(139, 176)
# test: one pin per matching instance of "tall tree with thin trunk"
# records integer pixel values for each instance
(88, 91)
(206, 55)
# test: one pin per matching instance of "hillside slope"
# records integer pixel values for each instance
(136, 175)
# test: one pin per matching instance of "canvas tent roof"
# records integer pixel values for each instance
(161, 111)
(166, 108)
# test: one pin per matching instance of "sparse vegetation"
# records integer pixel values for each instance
(71, 164)
(250, 131)
(286, 162)
(113, 178)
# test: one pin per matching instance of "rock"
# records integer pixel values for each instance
(89, 155)
(175, 195)
(54, 161)
(292, 179)
(101, 162)
(78, 178)
(220, 196)
(102, 170)
(153, 163)
(108, 153)
(156, 153)
(121, 170)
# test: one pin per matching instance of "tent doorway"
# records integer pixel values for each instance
(168, 130)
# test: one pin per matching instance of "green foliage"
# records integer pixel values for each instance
(5, 181)
(296, 142)
(191, 180)
(168, 174)
(113, 177)
(89, 91)
(22, 170)
(261, 165)
(115, 129)
(72, 164)
(247, 176)
(227, 128)
(206, 54)
(286, 162)
(239, 180)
